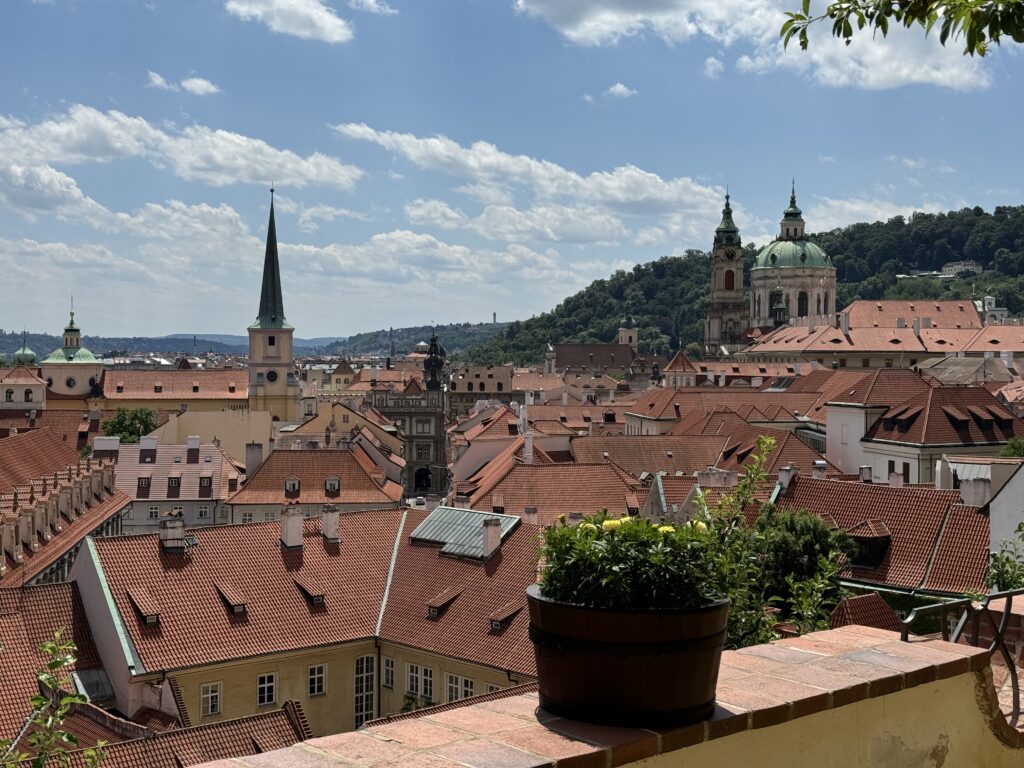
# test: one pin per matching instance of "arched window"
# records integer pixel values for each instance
(819, 306)
(9, 396)
(469, 386)
(500, 386)
(28, 395)
(730, 280)
(482, 386)
(757, 312)
(824, 303)
(453, 386)
(801, 304)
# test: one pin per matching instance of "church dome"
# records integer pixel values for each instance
(792, 253)
(24, 356)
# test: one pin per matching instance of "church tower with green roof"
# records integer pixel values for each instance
(273, 385)
(728, 313)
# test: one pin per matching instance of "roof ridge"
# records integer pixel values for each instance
(935, 546)
(391, 572)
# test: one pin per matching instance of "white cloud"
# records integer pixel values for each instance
(921, 164)
(822, 158)
(488, 193)
(905, 57)
(713, 67)
(305, 19)
(619, 91)
(34, 190)
(372, 6)
(199, 86)
(828, 213)
(435, 213)
(197, 153)
(587, 98)
(309, 217)
(156, 81)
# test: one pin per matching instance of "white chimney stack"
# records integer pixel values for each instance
(330, 523)
(148, 443)
(565, 397)
(786, 475)
(844, 322)
(172, 534)
(865, 473)
(818, 472)
(492, 536)
(528, 448)
(291, 527)
(192, 442)
(530, 515)
(896, 479)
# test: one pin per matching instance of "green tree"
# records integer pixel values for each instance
(48, 740)
(1013, 447)
(694, 351)
(1006, 567)
(978, 22)
(130, 424)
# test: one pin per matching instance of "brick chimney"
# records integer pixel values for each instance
(291, 527)
(530, 515)
(865, 474)
(819, 469)
(172, 535)
(492, 536)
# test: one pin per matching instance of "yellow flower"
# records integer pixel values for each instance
(611, 525)
(666, 529)
(699, 524)
(588, 527)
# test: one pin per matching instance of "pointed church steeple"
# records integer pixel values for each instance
(271, 303)
(727, 233)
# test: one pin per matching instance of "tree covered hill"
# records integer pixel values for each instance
(456, 338)
(667, 298)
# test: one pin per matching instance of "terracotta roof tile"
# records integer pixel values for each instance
(29, 617)
(868, 610)
(195, 626)
(948, 416)
(359, 484)
(653, 453)
(962, 552)
(175, 385)
(884, 313)
(189, 466)
(30, 455)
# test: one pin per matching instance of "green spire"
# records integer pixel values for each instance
(793, 212)
(271, 304)
(727, 224)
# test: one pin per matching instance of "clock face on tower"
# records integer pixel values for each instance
(271, 376)
(730, 253)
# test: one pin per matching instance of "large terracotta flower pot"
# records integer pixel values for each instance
(650, 668)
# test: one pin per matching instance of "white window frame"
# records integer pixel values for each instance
(203, 511)
(266, 689)
(459, 687)
(210, 695)
(492, 688)
(389, 673)
(178, 510)
(317, 680)
(154, 512)
(247, 517)
(364, 685)
(268, 516)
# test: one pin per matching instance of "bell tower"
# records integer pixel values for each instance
(727, 315)
(273, 385)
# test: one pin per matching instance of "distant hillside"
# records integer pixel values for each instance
(456, 338)
(667, 298)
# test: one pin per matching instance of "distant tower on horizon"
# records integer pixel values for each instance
(728, 314)
(273, 385)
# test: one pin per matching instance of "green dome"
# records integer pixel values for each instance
(24, 356)
(79, 355)
(792, 253)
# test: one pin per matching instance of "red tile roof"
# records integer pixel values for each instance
(661, 403)
(74, 427)
(651, 453)
(868, 610)
(195, 628)
(884, 313)
(492, 589)
(27, 456)
(962, 552)
(21, 375)
(915, 516)
(209, 461)
(175, 385)
(361, 481)
(947, 416)
(997, 338)
(593, 356)
(28, 618)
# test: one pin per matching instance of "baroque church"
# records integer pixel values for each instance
(792, 281)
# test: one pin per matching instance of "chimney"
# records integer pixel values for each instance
(528, 399)
(373, 375)
(492, 536)
(611, 394)
(291, 527)
(172, 535)
(976, 492)
(148, 443)
(524, 418)
(896, 479)
(530, 515)
(926, 322)
(106, 447)
(192, 442)
(917, 327)
(253, 457)
(565, 397)
(844, 322)
(786, 475)
(818, 471)
(865, 473)
(528, 448)
(721, 380)
(901, 322)
(330, 523)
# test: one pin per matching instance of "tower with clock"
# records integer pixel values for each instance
(273, 385)
(728, 313)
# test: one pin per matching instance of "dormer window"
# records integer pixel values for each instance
(173, 482)
(205, 482)
(143, 482)
(291, 485)
(195, 388)
(158, 388)
(231, 388)
(119, 389)
(332, 484)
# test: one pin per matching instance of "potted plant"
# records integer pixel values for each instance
(629, 621)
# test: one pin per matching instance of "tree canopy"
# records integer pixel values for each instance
(979, 23)
(130, 424)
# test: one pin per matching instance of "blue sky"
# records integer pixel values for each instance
(440, 160)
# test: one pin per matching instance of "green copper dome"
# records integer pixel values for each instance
(792, 253)
(24, 356)
(79, 355)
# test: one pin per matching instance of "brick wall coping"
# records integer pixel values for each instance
(758, 687)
